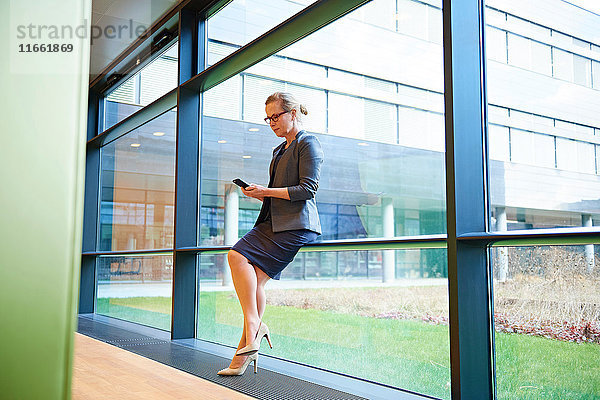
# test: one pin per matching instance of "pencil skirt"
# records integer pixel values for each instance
(272, 251)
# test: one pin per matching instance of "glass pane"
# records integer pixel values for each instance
(153, 81)
(596, 74)
(396, 334)
(379, 118)
(542, 114)
(137, 187)
(519, 51)
(242, 21)
(582, 70)
(563, 64)
(136, 288)
(496, 44)
(499, 139)
(547, 321)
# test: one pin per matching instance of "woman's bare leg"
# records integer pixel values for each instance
(261, 280)
(261, 298)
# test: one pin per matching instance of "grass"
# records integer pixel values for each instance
(150, 311)
(410, 354)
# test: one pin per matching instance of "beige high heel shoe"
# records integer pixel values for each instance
(240, 370)
(263, 331)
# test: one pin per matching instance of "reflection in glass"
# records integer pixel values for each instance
(547, 321)
(242, 21)
(378, 115)
(396, 334)
(136, 288)
(150, 83)
(542, 115)
(138, 188)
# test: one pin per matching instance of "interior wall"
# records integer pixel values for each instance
(43, 112)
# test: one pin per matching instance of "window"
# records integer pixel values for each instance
(136, 289)
(383, 176)
(548, 181)
(543, 150)
(138, 188)
(562, 64)
(241, 21)
(496, 44)
(582, 70)
(499, 143)
(412, 18)
(528, 54)
(596, 74)
(585, 158)
(566, 154)
(156, 79)
(521, 146)
(543, 330)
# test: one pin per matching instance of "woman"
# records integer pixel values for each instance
(288, 220)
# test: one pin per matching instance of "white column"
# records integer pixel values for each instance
(389, 256)
(232, 207)
(131, 242)
(586, 220)
(502, 252)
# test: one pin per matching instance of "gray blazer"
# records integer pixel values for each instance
(299, 170)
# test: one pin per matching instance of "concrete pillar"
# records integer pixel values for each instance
(232, 208)
(131, 242)
(389, 256)
(502, 252)
(586, 221)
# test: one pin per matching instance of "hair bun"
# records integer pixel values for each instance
(303, 109)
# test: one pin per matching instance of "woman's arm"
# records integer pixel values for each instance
(309, 168)
(260, 192)
(311, 158)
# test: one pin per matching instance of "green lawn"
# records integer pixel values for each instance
(412, 355)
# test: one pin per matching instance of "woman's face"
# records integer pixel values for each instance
(285, 122)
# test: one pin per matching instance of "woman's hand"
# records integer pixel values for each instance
(256, 191)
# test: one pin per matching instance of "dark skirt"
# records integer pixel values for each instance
(272, 252)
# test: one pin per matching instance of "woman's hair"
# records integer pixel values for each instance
(288, 103)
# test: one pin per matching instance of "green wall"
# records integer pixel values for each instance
(43, 109)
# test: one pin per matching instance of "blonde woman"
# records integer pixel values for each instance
(287, 221)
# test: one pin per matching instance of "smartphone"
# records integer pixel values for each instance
(240, 183)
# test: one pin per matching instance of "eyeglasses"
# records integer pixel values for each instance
(274, 117)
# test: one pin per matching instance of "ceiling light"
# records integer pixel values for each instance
(135, 145)
(159, 134)
(246, 156)
(363, 144)
(253, 129)
(222, 141)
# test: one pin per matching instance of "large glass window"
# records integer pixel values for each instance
(136, 288)
(547, 321)
(379, 117)
(547, 177)
(241, 21)
(396, 334)
(157, 78)
(138, 188)
(382, 131)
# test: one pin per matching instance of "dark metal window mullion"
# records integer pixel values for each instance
(187, 162)
(471, 346)
(91, 210)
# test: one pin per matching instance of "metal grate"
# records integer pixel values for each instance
(266, 384)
